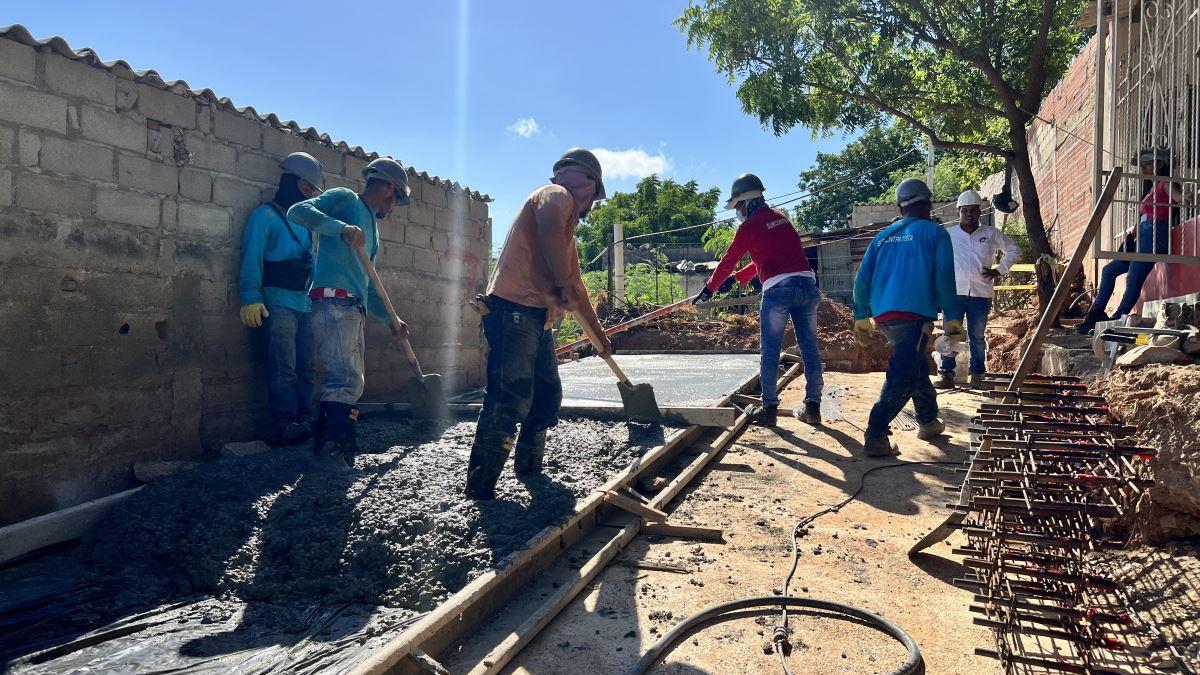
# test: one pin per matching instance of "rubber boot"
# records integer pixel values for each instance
(1090, 320)
(945, 380)
(931, 429)
(880, 446)
(488, 454)
(334, 439)
(977, 381)
(767, 416)
(531, 447)
(812, 412)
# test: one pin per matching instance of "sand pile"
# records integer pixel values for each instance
(398, 533)
(687, 330)
(1163, 402)
(1007, 334)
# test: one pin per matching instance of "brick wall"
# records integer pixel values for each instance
(122, 201)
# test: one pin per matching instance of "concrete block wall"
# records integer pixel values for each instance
(122, 203)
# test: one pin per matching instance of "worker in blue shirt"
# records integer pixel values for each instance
(273, 291)
(341, 297)
(906, 275)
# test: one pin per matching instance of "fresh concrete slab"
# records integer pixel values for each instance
(678, 379)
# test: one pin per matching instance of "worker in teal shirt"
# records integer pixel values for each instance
(342, 296)
(273, 291)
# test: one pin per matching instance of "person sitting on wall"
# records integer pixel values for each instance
(273, 291)
(342, 296)
(1160, 199)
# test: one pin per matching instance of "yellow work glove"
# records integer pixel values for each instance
(954, 330)
(253, 314)
(863, 330)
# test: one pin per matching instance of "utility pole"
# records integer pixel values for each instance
(609, 285)
(619, 262)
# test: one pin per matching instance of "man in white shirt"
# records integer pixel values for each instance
(975, 250)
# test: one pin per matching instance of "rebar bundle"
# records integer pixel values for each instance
(1050, 471)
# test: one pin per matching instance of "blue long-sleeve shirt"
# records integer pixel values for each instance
(266, 237)
(909, 267)
(337, 264)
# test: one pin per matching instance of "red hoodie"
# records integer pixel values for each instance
(774, 247)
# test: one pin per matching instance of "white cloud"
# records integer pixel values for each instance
(632, 163)
(525, 127)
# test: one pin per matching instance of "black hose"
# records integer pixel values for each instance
(913, 665)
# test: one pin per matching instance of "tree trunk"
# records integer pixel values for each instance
(1031, 212)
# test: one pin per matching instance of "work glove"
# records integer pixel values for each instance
(756, 285)
(702, 296)
(727, 285)
(864, 329)
(399, 328)
(991, 274)
(253, 314)
(954, 330)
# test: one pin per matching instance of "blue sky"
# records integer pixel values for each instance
(487, 93)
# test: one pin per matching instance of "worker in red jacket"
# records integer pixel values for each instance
(789, 289)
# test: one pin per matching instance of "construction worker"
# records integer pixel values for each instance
(273, 291)
(536, 279)
(1157, 211)
(975, 272)
(342, 296)
(905, 276)
(789, 289)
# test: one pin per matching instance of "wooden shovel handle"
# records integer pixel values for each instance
(387, 303)
(591, 334)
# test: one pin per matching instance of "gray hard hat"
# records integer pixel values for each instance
(303, 165)
(912, 191)
(1160, 154)
(745, 186)
(587, 161)
(390, 171)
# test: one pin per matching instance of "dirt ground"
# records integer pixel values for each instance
(766, 481)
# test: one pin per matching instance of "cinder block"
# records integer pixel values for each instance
(329, 157)
(8, 149)
(420, 214)
(164, 106)
(354, 167)
(478, 209)
(34, 108)
(195, 185)
(233, 127)
(434, 195)
(202, 219)
(212, 155)
(204, 118)
(29, 146)
(418, 235)
(77, 158)
(240, 195)
(170, 215)
(281, 143)
(25, 370)
(6, 188)
(123, 131)
(40, 192)
(148, 175)
(75, 78)
(17, 61)
(427, 263)
(253, 166)
(125, 206)
(441, 242)
(450, 220)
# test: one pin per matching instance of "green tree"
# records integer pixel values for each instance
(655, 205)
(958, 72)
(859, 173)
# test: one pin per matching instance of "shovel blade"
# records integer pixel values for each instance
(427, 397)
(639, 401)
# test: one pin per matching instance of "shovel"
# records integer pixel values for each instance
(424, 392)
(638, 399)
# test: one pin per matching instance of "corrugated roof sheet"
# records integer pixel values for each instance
(56, 44)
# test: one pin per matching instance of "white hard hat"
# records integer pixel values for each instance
(969, 198)
(303, 165)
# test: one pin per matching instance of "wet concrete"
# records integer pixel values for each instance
(678, 379)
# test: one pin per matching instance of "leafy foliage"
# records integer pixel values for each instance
(655, 205)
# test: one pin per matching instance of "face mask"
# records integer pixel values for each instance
(580, 185)
(741, 217)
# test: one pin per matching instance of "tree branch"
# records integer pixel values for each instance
(1037, 60)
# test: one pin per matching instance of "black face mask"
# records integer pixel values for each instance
(289, 191)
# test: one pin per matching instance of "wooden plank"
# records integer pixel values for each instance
(635, 507)
(54, 528)
(684, 531)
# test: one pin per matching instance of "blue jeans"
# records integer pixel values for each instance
(977, 310)
(798, 298)
(290, 364)
(1151, 237)
(907, 377)
(337, 325)
(522, 371)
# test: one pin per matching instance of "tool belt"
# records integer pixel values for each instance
(291, 274)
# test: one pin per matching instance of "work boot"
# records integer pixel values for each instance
(931, 429)
(812, 412)
(294, 433)
(335, 438)
(488, 454)
(945, 380)
(977, 381)
(531, 447)
(1090, 320)
(767, 416)
(880, 446)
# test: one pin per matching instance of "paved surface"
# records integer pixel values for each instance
(678, 379)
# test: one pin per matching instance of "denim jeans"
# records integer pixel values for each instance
(522, 371)
(907, 377)
(337, 325)
(1152, 237)
(977, 310)
(290, 364)
(795, 297)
